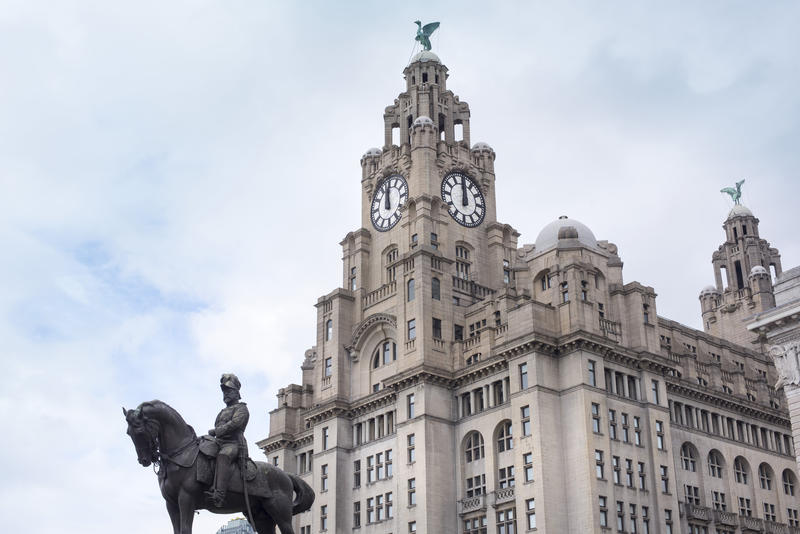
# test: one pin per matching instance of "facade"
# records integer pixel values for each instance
(238, 525)
(779, 329)
(464, 383)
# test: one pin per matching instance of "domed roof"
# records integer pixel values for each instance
(758, 270)
(422, 120)
(709, 290)
(739, 211)
(425, 55)
(572, 229)
(372, 152)
(480, 145)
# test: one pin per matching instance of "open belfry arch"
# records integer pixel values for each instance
(462, 382)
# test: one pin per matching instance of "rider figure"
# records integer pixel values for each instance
(229, 433)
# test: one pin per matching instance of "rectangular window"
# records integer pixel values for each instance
(791, 515)
(526, 420)
(414, 240)
(412, 455)
(645, 520)
(595, 418)
(370, 469)
(637, 431)
(530, 512)
(412, 329)
(506, 477)
(664, 479)
(412, 491)
(379, 508)
(410, 405)
(389, 463)
(437, 328)
(620, 516)
(356, 514)
(617, 469)
(629, 472)
(599, 464)
(632, 512)
(476, 485)
(352, 278)
(323, 517)
(592, 373)
(718, 500)
(370, 510)
(625, 427)
(523, 376)
(379, 466)
(656, 398)
(357, 474)
(527, 466)
(691, 494)
(603, 511)
(668, 521)
(458, 332)
(660, 435)
(389, 506)
(323, 479)
(506, 521)
(412, 526)
(325, 435)
(744, 507)
(769, 512)
(328, 366)
(642, 477)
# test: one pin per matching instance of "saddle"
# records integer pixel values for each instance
(209, 448)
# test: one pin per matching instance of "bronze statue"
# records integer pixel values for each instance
(187, 477)
(735, 194)
(424, 33)
(229, 433)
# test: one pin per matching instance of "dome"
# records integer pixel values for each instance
(425, 55)
(372, 152)
(422, 120)
(564, 228)
(739, 211)
(481, 146)
(758, 270)
(709, 290)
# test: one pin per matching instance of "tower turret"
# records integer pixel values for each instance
(741, 272)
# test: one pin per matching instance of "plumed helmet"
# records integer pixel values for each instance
(230, 380)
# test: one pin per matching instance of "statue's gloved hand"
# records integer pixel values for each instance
(212, 432)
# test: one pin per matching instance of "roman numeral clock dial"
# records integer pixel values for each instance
(464, 199)
(390, 195)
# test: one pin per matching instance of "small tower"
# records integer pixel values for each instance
(743, 283)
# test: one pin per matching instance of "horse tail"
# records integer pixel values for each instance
(305, 495)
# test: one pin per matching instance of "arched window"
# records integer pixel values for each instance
(505, 441)
(384, 354)
(715, 464)
(765, 476)
(474, 447)
(328, 330)
(789, 482)
(436, 292)
(741, 470)
(688, 457)
(410, 292)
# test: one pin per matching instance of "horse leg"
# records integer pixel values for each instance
(186, 505)
(281, 505)
(174, 516)
(264, 524)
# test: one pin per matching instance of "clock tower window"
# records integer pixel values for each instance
(462, 263)
(436, 291)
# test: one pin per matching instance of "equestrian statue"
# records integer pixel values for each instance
(214, 472)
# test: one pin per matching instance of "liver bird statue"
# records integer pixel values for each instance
(735, 193)
(424, 33)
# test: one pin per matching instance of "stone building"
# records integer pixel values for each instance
(238, 525)
(463, 383)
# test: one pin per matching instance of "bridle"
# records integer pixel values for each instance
(151, 428)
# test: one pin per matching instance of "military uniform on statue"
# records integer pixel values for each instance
(229, 433)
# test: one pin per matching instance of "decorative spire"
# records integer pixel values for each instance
(736, 193)
(424, 33)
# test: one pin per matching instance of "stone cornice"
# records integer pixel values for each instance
(688, 390)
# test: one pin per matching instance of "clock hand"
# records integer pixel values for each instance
(387, 204)
(464, 201)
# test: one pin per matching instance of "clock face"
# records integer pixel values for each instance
(464, 199)
(389, 196)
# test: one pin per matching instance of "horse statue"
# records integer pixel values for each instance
(185, 471)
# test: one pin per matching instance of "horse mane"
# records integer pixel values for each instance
(165, 410)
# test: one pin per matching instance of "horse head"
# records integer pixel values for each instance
(144, 433)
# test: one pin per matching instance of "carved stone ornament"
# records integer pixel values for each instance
(787, 363)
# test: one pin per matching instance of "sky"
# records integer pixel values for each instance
(175, 178)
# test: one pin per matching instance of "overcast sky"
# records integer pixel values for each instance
(175, 178)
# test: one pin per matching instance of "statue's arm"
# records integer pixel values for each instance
(237, 423)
